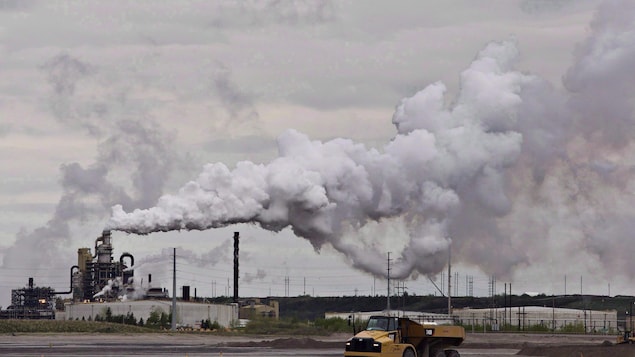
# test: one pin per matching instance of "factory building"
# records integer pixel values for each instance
(31, 302)
(98, 283)
(188, 314)
(523, 318)
(99, 276)
(416, 315)
(101, 283)
(255, 308)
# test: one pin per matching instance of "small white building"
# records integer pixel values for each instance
(528, 317)
(415, 315)
(522, 318)
(187, 313)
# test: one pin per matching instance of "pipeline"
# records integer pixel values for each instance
(71, 290)
(126, 254)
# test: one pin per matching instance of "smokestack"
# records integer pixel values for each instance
(236, 236)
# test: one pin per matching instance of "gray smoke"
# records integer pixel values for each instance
(512, 173)
(201, 260)
(132, 165)
(251, 277)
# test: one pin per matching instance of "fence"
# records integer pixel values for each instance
(537, 319)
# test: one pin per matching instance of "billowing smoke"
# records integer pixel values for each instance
(440, 161)
(509, 170)
(131, 167)
(112, 284)
(258, 276)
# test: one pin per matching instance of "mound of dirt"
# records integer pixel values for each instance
(287, 343)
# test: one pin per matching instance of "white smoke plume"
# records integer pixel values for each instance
(322, 189)
(112, 283)
(511, 168)
(134, 291)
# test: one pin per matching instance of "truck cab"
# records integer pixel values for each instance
(390, 336)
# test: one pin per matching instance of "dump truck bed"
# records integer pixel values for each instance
(416, 333)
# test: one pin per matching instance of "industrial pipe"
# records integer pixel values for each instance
(71, 290)
(126, 254)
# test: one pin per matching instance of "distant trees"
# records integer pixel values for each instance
(208, 325)
(158, 319)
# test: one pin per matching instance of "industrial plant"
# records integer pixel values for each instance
(31, 303)
(99, 282)
(99, 276)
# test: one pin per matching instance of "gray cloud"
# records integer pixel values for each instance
(238, 103)
(263, 13)
(134, 161)
(244, 145)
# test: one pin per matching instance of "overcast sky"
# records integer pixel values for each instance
(515, 115)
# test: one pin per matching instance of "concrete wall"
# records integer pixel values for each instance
(188, 313)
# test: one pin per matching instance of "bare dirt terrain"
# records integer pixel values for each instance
(184, 344)
(548, 345)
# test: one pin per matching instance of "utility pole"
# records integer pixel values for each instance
(510, 304)
(505, 305)
(450, 280)
(173, 326)
(388, 295)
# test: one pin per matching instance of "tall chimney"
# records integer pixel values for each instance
(236, 236)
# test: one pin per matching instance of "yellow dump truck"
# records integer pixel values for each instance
(389, 336)
(627, 337)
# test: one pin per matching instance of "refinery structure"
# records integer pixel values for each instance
(99, 282)
(99, 276)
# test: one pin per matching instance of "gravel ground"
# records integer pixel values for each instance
(553, 345)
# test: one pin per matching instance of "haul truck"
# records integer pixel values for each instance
(389, 336)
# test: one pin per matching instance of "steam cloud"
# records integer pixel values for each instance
(510, 161)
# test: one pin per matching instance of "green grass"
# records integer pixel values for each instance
(55, 326)
(320, 327)
(257, 326)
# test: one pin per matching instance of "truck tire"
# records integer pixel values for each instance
(437, 353)
(409, 353)
(452, 353)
